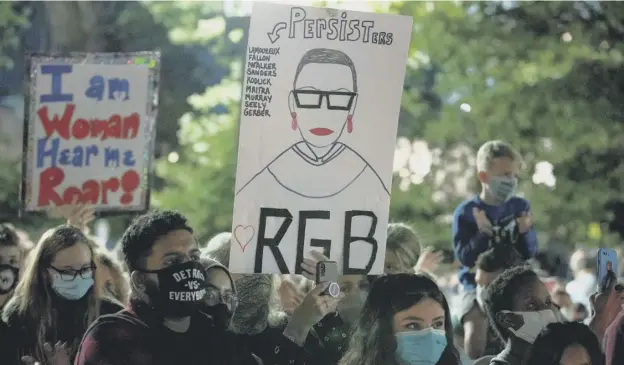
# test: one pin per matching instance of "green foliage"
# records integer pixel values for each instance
(541, 75)
(200, 177)
(12, 22)
(545, 76)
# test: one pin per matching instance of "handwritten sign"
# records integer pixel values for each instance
(89, 130)
(319, 114)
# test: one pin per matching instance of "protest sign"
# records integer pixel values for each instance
(89, 130)
(319, 114)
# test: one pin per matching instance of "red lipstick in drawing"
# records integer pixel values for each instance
(321, 131)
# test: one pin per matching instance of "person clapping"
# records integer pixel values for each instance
(55, 301)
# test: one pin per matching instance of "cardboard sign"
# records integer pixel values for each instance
(319, 114)
(89, 130)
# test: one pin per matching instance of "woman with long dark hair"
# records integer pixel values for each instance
(570, 343)
(405, 321)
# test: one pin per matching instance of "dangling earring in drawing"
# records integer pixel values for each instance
(293, 124)
(349, 123)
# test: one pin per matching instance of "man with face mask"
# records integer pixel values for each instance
(496, 216)
(163, 324)
(519, 307)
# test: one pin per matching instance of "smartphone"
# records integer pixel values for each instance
(327, 272)
(606, 268)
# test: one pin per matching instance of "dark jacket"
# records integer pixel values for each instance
(19, 334)
(136, 337)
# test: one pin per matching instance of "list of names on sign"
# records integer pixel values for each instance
(260, 73)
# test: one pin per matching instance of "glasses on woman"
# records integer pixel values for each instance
(71, 274)
(214, 297)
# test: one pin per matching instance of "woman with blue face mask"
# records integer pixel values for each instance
(56, 299)
(405, 321)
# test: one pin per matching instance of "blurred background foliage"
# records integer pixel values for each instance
(545, 76)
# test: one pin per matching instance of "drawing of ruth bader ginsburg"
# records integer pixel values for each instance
(322, 105)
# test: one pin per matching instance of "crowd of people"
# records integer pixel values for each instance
(165, 299)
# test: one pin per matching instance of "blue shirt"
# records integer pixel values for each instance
(469, 242)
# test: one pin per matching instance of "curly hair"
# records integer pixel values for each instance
(498, 258)
(499, 295)
(373, 340)
(139, 238)
(556, 337)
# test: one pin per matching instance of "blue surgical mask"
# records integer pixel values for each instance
(73, 289)
(421, 347)
(503, 187)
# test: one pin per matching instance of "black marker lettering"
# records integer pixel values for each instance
(339, 28)
(308, 28)
(354, 31)
(272, 243)
(314, 242)
(343, 27)
(367, 25)
(321, 25)
(260, 71)
(348, 240)
(333, 29)
(296, 15)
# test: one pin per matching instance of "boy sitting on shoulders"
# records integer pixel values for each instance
(496, 216)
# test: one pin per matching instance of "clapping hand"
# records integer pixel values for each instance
(525, 222)
(54, 355)
(483, 222)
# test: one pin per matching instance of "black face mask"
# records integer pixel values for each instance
(220, 314)
(9, 276)
(181, 288)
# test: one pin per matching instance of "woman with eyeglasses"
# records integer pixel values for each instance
(55, 301)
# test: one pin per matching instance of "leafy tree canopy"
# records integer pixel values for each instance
(544, 76)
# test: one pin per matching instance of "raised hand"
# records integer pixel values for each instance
(429, 260)
(77, 215)
(525, 222)
(483, 222)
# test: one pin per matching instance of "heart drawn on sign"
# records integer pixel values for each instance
(244, 235)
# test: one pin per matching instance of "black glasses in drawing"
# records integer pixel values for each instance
(313, 99)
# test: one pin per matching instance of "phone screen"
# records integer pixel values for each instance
(326, 272)
(606, 267)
